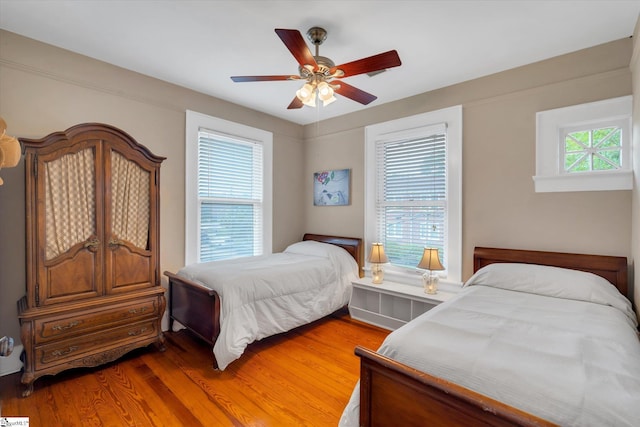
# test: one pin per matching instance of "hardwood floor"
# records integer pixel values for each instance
(301, 378)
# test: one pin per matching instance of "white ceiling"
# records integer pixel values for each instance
(200, 44)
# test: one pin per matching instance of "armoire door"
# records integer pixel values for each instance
(131, 213)
(69, 225)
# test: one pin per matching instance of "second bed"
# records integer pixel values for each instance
(232, 303)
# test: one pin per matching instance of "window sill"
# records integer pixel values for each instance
(599, 181)
(414, 278)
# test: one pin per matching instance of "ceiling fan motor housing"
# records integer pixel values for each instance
(324, 65)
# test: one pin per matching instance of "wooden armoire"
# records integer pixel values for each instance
(92, 216)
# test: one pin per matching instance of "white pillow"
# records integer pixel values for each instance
(310, 247)
(344, 263)
(553, 282)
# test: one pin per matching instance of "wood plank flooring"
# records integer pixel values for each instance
(301, 378)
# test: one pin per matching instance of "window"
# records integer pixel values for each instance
(584, 147)
(228, 187)
(413, 194)
(589, 150)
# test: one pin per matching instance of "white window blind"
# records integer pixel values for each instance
(411, 198)
(230, 191)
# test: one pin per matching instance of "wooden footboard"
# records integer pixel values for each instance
(196, 307)
(392, 393)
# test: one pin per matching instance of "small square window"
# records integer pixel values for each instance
(584, 147)
(593, 150)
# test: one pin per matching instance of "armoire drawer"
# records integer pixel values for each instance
(81, 322)
(94, 343)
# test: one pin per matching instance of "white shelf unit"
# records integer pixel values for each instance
(390, 305)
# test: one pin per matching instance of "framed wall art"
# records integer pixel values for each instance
(331, 187)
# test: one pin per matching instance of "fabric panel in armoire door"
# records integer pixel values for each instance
(71, 239)
(131, 260)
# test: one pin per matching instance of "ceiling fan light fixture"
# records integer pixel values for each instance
(319, 71)
(311, 102)
(325, 92)
(328, 101)
(307, 94)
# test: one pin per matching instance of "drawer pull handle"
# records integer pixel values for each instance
(63, 352)
(65, 327)
(137, 332)
(137, 310)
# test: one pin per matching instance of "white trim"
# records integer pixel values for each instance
(551, 124)
(407, 127)
(601, 181)
(195, 121)
(12, 363)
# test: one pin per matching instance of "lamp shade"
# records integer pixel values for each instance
(430, 260)
(377, 255)
(324, 91)
(9, 149)
(307, 94)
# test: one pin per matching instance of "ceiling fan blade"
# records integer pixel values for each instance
(353, 92)
(239, 79)
(296, 103)
(381, 61)
(298, 48)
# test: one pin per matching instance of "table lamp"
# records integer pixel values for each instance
(377, 257)
(430, 261)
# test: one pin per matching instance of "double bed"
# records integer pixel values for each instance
(231, 303)
(534, 338)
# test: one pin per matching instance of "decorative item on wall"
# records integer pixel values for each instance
(9, 149)
(331, 187)
(431, 262)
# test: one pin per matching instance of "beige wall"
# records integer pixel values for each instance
(500, 207)
(45, 89)
(635, 210)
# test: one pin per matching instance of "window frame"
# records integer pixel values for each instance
(196, 121)
(553, 125)
(414, 126)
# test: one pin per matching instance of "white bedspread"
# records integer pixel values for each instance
(572, 362)
(265, 295)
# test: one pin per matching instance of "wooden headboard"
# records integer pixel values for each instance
(353, 245)
(612, 268)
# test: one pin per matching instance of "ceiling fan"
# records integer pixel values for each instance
(321, 74)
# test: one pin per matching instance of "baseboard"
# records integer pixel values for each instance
(12, 363)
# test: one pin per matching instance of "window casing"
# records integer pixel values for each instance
(228, 189)
(413, 191)
(584, 147)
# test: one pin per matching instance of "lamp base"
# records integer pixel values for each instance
(377, 274)
(430, 283)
